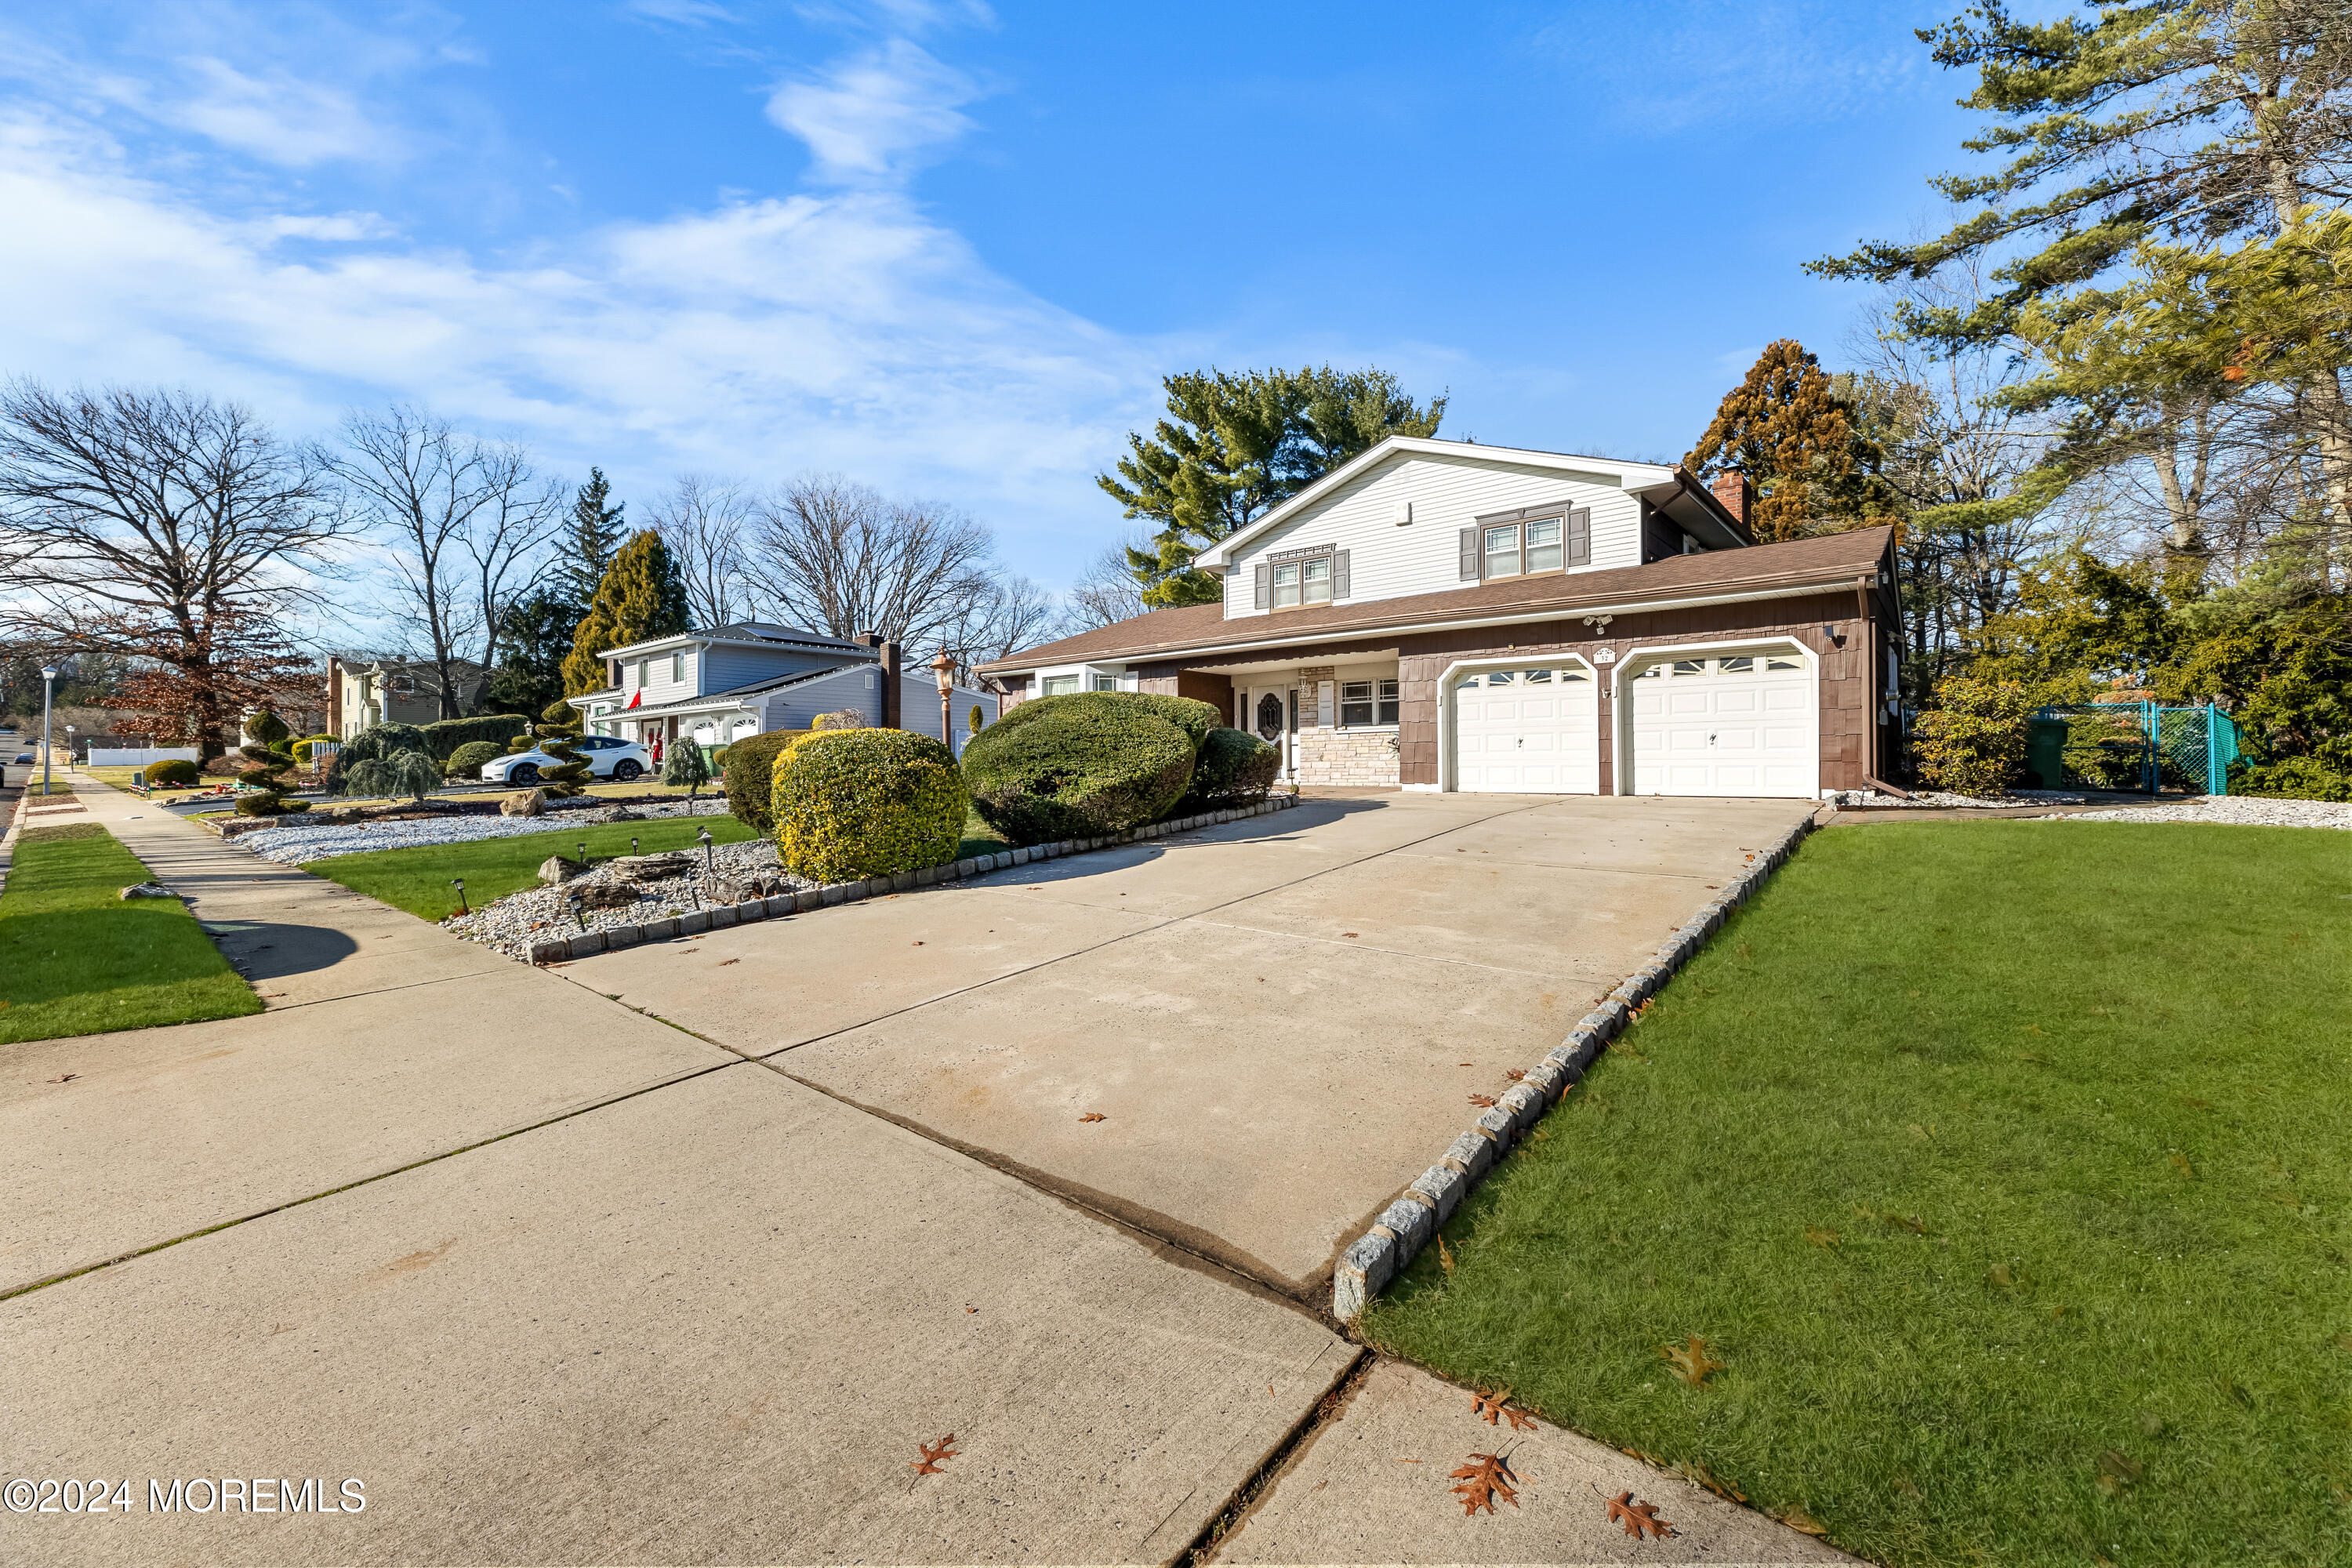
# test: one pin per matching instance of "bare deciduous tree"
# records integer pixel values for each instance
(707, 525)
(839, 558)
(461, 514)
(1106, 592)
(163, 525)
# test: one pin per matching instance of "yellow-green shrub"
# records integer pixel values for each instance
(748, 771)
(866, 803)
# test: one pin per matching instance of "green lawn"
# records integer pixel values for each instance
(76, 960)
(979, 839)
(2001, 1165)
(417, 880)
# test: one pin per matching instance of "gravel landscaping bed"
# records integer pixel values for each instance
(2239, 810)
(292, 845)
(1944, 800)
(510, 923)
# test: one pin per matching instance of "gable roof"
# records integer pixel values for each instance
(1759, 572)
(1654, 481)
(747, 633)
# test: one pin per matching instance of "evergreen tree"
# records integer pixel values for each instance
(559, 726)
(685, 763)
(590, 540)
(535, 636)
(642, 595)
(272, 757)
(1799, 443)
(1235, 446)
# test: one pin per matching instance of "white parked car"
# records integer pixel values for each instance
(608, 757)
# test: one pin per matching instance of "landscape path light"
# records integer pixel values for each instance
(459, 883)
(48, 681)
(707, 866)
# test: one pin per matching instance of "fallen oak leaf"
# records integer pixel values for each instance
(725, 962)
(1821, 1236)
(1691, 1363)
(1515, 1074)
(1092, 1116)
(1798, 1519)
(1637, 1516)
(1445, 1257)
(1484, 1479)
(1489, 1406)
(1484, 1101)
(68, 1079)
(933, 1453)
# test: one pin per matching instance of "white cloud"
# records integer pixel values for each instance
(687, 12)
(762, 337)
(871, 118)
(278, 118)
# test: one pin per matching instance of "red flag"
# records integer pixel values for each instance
(633, 702)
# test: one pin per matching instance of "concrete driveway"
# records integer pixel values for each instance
(1279, 1021)
(556, 1281)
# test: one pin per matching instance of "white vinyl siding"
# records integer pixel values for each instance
(1448, 494)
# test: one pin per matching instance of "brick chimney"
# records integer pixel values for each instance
(1738, 496)
(887, 654)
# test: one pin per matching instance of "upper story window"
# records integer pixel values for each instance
(678, 665)
(645, 672)
(1298, 583)
(1516, 544)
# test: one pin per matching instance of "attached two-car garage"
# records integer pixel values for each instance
(1693, 723)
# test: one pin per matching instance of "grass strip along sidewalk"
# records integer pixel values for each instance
(77, 959)
(417, 880)
(1991, 1177)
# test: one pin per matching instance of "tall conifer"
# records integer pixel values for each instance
(1799, 443)
(642, 596)
(590, 540)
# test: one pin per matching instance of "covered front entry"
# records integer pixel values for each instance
(1527, 730)
(1729, 725)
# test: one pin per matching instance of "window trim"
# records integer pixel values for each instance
(1562, 511)
(1328, 555)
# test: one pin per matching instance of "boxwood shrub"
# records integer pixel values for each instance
(174, 772)
(466, 760)
(373, 744)
(866, 803)
(1234, 768)
(1089, 764)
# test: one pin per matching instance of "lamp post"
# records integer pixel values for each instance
(943, 671)
(49, 684)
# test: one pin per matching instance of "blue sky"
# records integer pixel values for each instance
(943, 247)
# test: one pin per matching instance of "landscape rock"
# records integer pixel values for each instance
(147, 890)
(556, 869)
(524, 803)
(607, 895)
(650, 868)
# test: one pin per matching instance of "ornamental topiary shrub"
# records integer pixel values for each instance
(271, 758)
(867, 803)
(176, 772)
(1077, 766)
(404, 773)
(749, 773)
(466, 762)
(375, 742)
(685, 763)
(1973, 741)
(444, 737)
(559, 727)
(1234, 768)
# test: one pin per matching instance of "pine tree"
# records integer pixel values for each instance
(535, 636)
(590, 540)
(1236, 446)
(642, 595)
(1800, 444)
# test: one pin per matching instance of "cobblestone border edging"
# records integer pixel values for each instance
(562, 949)
(1380, 1254)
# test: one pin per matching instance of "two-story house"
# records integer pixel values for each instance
(364, 689)
(1445, 616)
(717, 685)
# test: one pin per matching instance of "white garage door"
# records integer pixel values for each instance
(1743, 724)
(1534, 731)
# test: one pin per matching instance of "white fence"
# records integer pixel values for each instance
(140, 756)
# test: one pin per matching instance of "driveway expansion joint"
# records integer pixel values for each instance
(1373, 1259)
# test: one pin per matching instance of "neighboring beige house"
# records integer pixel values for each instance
(366, 689)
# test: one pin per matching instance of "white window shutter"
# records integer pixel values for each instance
(1339, 575)
(1262, 587)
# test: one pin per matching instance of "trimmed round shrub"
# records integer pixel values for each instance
(867, 803)
(1234, 768)
(1078, 766)
(466, 762)
(749, 773)
(376, 742)
(176, 772)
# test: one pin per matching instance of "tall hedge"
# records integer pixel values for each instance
(747, 772)
(375, 742)
(1077, 766)
(443, 737)
(867, 803)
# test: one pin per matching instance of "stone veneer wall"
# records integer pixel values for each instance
(1334, 756)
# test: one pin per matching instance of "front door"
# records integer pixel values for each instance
(1270, 720)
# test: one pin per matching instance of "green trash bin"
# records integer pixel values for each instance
(2045, 753)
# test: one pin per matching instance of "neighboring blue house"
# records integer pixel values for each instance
(746, 678)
